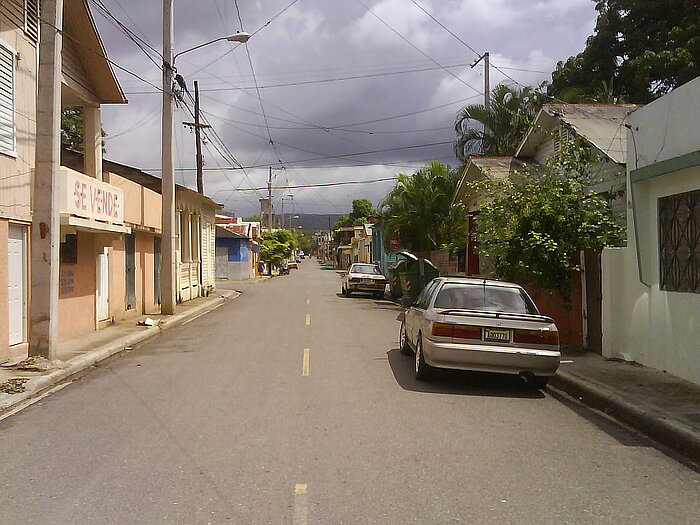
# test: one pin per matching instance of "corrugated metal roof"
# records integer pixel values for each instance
(600, 124)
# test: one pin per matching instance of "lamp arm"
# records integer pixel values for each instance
(197, 47)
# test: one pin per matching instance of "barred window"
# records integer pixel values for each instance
(31, 19)
(7, 104)
(679, 242)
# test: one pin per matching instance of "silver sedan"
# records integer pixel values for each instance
(365, 278)
(480, 325)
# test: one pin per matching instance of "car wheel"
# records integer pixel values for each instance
(422, 368)
(347, 292)
(539, 381)
(379, 295)
(404, 347)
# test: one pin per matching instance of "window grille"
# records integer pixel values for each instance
(679, 242)
(31, 19)
(7, 106)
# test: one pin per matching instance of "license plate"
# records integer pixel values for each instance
(496, 334)
(368, 281)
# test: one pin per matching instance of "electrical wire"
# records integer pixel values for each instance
(266, 24)
(397, 33)
(325, 184)
(318, 81)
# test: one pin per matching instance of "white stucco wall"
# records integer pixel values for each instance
(641, 322)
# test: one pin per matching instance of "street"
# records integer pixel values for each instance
(292, 404)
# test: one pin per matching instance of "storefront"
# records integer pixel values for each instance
(92, 221)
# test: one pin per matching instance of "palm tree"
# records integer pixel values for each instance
(418, 209)
(496, 131)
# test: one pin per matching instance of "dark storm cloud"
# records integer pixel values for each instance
(317, 40)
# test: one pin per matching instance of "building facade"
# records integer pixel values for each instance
(87, 220)
(651, 287)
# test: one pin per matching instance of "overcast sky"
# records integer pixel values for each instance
(318, 118)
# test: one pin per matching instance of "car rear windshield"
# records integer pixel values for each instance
(364, 268)
(485, 297)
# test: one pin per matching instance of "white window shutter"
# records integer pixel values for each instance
(31, 19)
(7, 109)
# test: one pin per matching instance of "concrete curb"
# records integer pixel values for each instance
(39, 384)
(648, 420)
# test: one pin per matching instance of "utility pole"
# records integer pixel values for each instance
(487, 87)
(198, 126)
(168, 266)
(269, 200)
(46, 228)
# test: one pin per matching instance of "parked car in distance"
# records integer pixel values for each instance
(365, 278)
(292, 264)
(481, 325)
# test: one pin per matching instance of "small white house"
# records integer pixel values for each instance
(651, 287)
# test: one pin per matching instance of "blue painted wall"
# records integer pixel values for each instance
(237, 248)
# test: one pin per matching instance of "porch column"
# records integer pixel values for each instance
(46, 233)
(92, 141)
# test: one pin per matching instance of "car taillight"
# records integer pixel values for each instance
(457, 331)
(537, 337)
(442, 329)
(464, 331)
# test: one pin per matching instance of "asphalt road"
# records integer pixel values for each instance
(224, 420)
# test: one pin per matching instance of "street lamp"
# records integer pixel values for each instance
(169, 264)
(241, 37)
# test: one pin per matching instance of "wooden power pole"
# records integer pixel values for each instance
(198, 126)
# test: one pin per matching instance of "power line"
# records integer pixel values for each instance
(446, 29)
(100, 54)
(342, 126)
(140, 43)
(416, 47)
(324, 184)
(346, 155)
(319, 81)
(252, 34)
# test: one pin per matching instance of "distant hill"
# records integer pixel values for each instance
(308, 221)
(313, 221)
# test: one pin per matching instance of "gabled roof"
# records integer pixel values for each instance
(221, 231)
(79, 25)
(600, 124)
(495, 167)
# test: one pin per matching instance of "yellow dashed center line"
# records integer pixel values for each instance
(307, 301)
(308, 319)
(301, 513)
(305, 363)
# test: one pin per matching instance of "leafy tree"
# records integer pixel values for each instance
(418, 210)
(640, 49)
(255, 218)
(362, 209)
(496, 131)
(277, 245)
(73, 128)
(539, 220)
(273, 252)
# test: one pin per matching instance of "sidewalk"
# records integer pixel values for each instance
(660, 405)
(78, 354)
